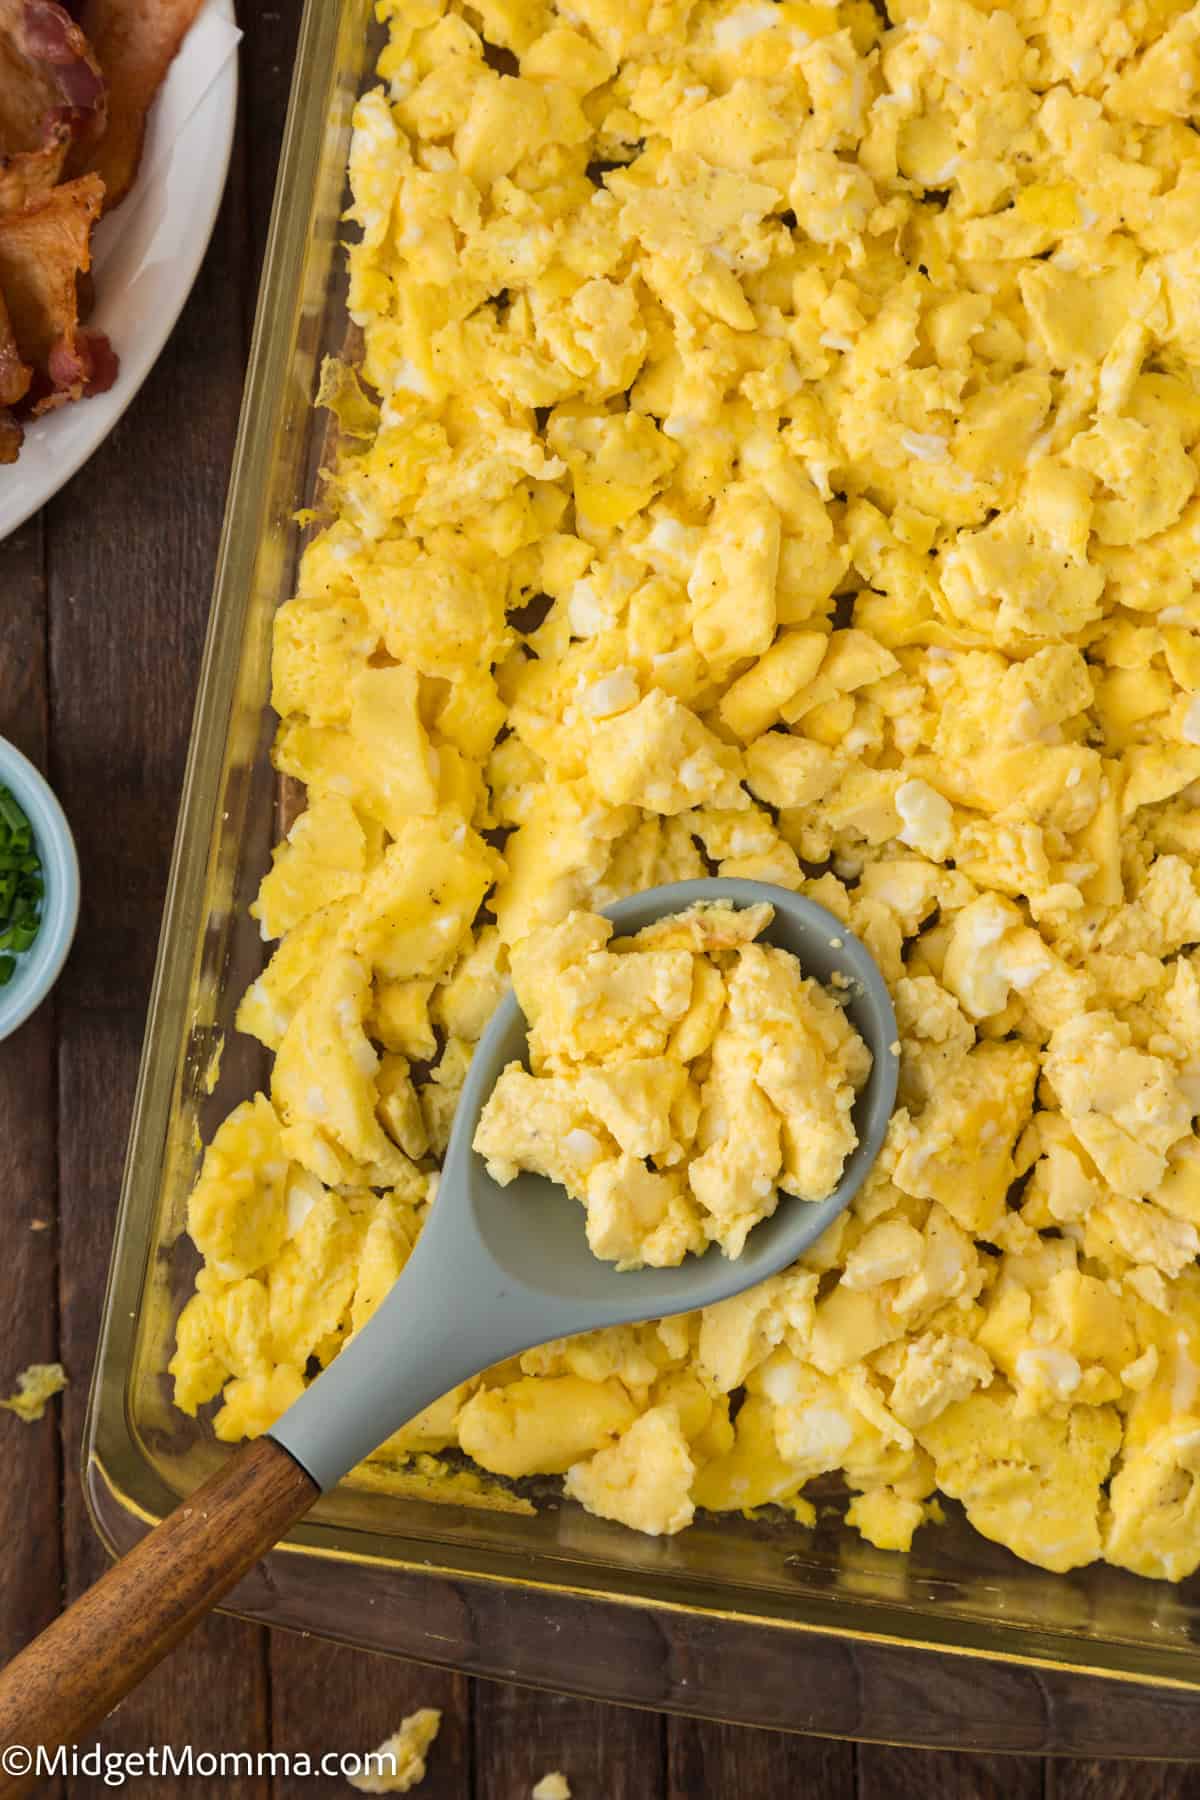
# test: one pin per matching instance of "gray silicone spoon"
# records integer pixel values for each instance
(497, 1270)
(494, 1272)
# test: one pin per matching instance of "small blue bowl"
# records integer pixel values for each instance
(41, 965)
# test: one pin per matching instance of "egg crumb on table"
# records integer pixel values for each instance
(403, 1754)
(775, 452)
(680, 1080)
(554, 1786)
(36, 1387)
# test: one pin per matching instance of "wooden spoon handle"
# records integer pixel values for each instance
(67, 1679)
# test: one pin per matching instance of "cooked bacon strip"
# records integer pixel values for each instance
(31, 172)
(43, 251)
(15, 374)
(51, 97)
(28, 90)
(52, 37)
(48, 73)
(81, 366)
(136, 42)
(11, 436)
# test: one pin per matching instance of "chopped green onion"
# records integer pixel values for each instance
(22, 886)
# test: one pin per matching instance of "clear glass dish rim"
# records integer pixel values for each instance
(113, 1456)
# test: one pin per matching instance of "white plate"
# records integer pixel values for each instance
(146, 255)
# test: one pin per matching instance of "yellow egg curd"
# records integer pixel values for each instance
(774, 453)
(679, 1081)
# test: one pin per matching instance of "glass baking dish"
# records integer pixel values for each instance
(348, 1571)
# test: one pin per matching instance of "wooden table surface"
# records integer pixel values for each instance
(103, 600)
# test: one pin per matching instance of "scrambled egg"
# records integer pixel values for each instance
(400, 1759)
(681, 1079)
(36, 1387)
(776, 451)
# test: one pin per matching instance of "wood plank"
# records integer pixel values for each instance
(131, 550)
(736, 1762)
(31, 1574)
(327, 1699)
(521, 1734)
(269, 51)
(24, 714)
(29, 1581)
(892, 1774)
(1069, 1778)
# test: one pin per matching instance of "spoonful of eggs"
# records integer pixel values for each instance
(496, 1270)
